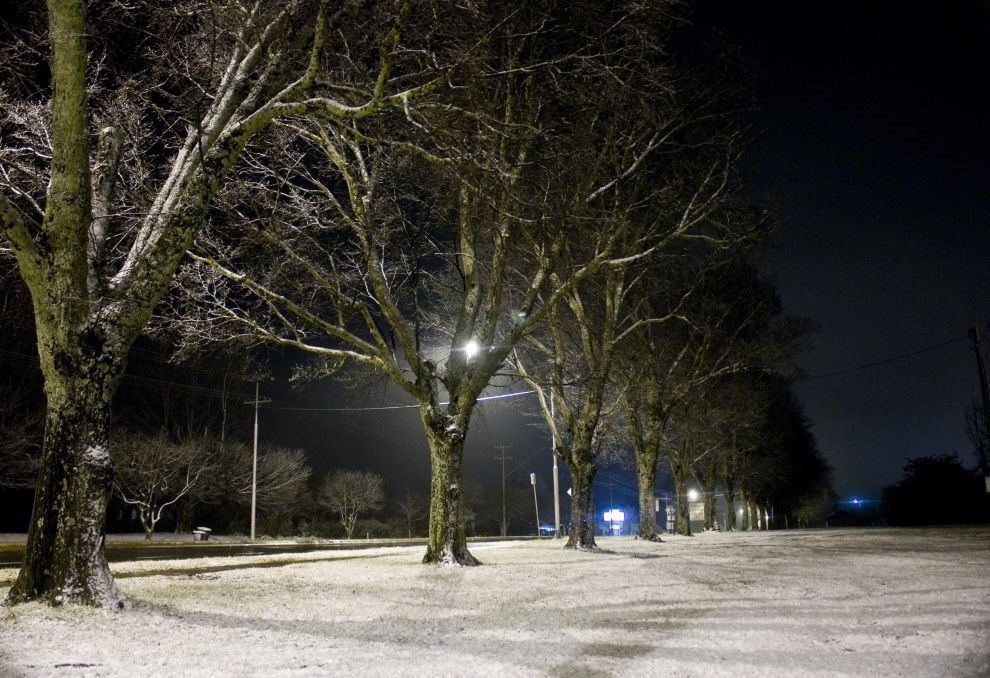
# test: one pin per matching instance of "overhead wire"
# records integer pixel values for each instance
(206, 390)
(885, 361)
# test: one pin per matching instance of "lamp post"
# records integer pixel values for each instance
(536, 503)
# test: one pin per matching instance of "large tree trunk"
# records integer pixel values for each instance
(646, 471)
(755, 518)
(582, 470)
(683, 523)
(710, 522)
(65, 560)
(730, 509)
(447, 541)
(707, 477)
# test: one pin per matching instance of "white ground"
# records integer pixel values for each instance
(799, 603)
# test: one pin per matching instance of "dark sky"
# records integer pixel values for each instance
(873, 141)
(874, 129)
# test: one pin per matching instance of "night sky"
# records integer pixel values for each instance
(872, 139)
(874, 128)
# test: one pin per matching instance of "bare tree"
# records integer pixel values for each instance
(351, 493)
(414, 508)
(21, 408)
(428, 257)
(152, 473)
(105, 184)
(282, 482)
(20, 438)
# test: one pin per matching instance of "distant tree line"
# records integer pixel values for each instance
(937, 490)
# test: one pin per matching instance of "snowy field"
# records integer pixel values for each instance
(800, 603)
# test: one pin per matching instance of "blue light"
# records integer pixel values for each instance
(856, 501)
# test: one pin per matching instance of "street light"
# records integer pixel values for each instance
(536, 503)
(471, 349)
(692, 494)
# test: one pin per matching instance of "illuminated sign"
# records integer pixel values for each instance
(614, 516)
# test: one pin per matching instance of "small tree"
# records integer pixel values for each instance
(154, 472)
(351, 493)
(414, 508)
(21, 409)
(281, 484)
(20, 436)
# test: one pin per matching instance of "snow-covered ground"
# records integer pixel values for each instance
(798, 603)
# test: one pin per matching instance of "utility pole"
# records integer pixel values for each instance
(503, 459)
(254, 465)
(974, 333)
(536, 503)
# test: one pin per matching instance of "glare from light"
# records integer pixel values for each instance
(614, 516)
(471, 349)
(692, 495)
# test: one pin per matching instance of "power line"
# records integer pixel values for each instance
(32, 360)
(377, 408)
(137, 379)
(885, 361)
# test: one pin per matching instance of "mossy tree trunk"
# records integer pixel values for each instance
(447, 541)
(64, 558)
(581, 466)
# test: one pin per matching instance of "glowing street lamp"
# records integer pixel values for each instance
(692, 495)
(471, 349)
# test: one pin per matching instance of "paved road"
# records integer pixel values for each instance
(121, 551)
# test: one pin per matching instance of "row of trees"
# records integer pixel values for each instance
(375, 185)
(194, 481)
(936, 490)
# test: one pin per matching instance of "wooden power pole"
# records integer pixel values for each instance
(503, 459)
